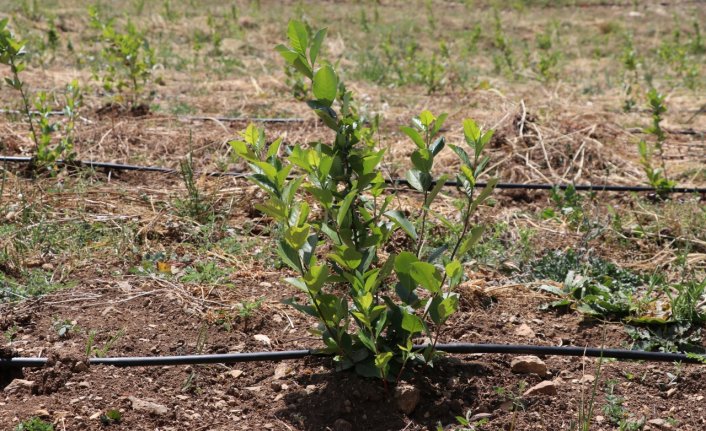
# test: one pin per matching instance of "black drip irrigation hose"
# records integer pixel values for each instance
(460, 348)
(394, 181)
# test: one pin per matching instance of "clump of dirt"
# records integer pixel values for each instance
(58, 371)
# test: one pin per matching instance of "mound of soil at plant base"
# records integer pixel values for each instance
(306, 394)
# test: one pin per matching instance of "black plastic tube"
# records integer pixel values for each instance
(395, 181)
(460, 348)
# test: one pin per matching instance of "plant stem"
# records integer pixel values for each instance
(25, 103)
(425, 211)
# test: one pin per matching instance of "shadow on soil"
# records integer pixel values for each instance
(341, 401)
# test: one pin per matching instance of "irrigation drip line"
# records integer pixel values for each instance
(393, 181)
(461, 348)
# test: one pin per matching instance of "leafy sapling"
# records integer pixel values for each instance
(656, 176)
(126, 58)
(388, 300)
(46, 153)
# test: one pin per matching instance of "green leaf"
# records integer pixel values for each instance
(442, 307)
(454, 272)
(325, 85)
(297, 236)
(414, 178)
(298, 36)
(382, 362)
(461, 153)
(414, 135)
(422, 160)
(400, 220)
(437, 146)
(324, 112)
(435, 191)
(426, 275)
(345, 207)
(289, 256)
(316, 45)
(484, 194)
(367, 341)
(472, 239)
(439, 123)
(411, 322)
(427, 118)
(471, 131)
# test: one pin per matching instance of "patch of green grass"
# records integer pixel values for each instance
(205, 273)
(33, 283)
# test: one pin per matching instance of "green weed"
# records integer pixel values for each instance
(34, 424)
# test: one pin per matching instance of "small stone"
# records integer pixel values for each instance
(80, 367)
(659, 424)
(264, 339)
(342, 425)
(281, 370)
(546, 387)
(48, 267)
(234, 374)
(221, 404)
(600, 419)
(407, 398)
(148, 407)
(84, 384)
(17, 385)
(42, 413)
(310, 389)
(671, 392)
(587, 378)
(95, 416)
(524, 331)
(528, 365)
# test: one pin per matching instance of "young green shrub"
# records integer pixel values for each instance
(126, 59)
(656, 176)
(46, 153)
(370, 305)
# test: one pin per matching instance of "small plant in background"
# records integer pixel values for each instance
(195, 205)
(111, 417)
(65, 328)
(370, 325)
(92, 350)
(548, 58)
(502, 43)
(126, 58)
(631, 75)
(656, 176)
(46, 154)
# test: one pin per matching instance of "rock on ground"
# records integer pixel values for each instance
(407, 398)
(528, 365)
(546, 387)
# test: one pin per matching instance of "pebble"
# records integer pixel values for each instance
(407, 397)
(148, 407)
(524, 331)
(18, 384)
(659, 424)
(546, 387)
(528, 365)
